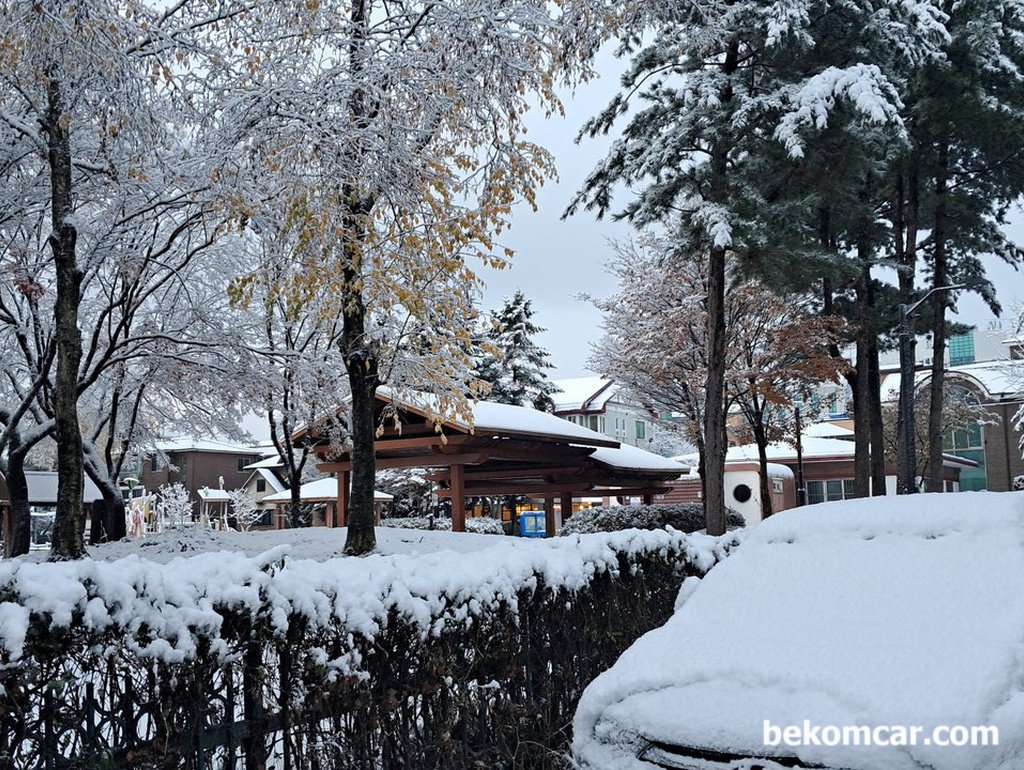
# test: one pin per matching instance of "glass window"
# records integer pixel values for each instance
(972, 479)
(242, 462)
(152, 464)
(641, 429)
(849, 489)
(777, 485)
(261, 485)
(961, 349)
(815, 492)
(834, 489)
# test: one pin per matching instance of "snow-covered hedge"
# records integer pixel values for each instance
(686, 517)
(482, 526)
(383, 661)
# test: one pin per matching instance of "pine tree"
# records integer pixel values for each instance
(514, 365)
(724, 88)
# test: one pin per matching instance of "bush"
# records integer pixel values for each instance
(482, 526)
(1018, 483)
(686, 517)
(221, 660)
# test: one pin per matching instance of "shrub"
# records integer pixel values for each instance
(1018, 483)
(482, 526)
(686, 517)
(222, 660)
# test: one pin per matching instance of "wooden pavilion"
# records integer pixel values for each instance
(509, 450)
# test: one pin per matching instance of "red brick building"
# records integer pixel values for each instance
(198, 464)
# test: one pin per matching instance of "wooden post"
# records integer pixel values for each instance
(458, 499)
(341, 516)
(330, 515)
(566, 505)
(549, 517)
(648, 499)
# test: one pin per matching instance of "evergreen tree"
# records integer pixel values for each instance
(725, 87)
(513, 364)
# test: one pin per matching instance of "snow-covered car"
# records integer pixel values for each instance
(870, 623)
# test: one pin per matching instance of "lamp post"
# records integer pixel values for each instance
(908, 452)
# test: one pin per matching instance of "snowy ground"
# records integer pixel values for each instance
(318, 543)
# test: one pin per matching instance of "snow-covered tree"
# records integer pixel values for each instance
(244, 509)
(513, 364)
(725, 86)
(90, 115)
(299, 372)
(175, 504)
(655, 343)
(389, 137)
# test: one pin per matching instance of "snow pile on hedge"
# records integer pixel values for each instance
(686, 517)
(481, 526)
(162, 611)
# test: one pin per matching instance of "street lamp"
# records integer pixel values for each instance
(908, 458)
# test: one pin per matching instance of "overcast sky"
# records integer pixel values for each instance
(558, 259)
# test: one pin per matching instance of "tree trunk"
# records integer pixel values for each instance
(714, 383)
(905, 233)
(877, 435)
(295, 506)
(860, 383)
(69, 526)
(111, 516)
(939, 300)
(714, 399)
(361, 365)
(20, 539)
(762, 459)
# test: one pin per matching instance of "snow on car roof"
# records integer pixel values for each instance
(883, 611)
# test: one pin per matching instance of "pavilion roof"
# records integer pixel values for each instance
(509, 450)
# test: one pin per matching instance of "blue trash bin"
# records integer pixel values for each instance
(533, 524)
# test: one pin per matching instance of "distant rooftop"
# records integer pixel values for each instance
(582, 394)
(185, 444)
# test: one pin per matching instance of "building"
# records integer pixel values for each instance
(322, 496)
(995, 446)
(993, 340)
(828, 472)
(199, 464)
(601, 405)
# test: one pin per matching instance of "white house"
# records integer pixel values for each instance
(603, 406)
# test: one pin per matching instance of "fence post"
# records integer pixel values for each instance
(254, 745)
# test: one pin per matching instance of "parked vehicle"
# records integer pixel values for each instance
(860, 621)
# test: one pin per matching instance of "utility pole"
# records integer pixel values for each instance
(908, 451)
(801, 490)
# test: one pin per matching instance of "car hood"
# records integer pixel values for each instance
(899, 611)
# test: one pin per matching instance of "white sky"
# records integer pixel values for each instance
(556, 260)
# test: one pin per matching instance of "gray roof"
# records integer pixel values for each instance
(42, 488)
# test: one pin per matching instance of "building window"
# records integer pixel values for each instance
(641, 429)
(829, 490)
(777, 486)
(181, 463)
(261, 485)
(592, 422)
(961, 349)
(969, 443)
(242, 462)
(153, 463)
